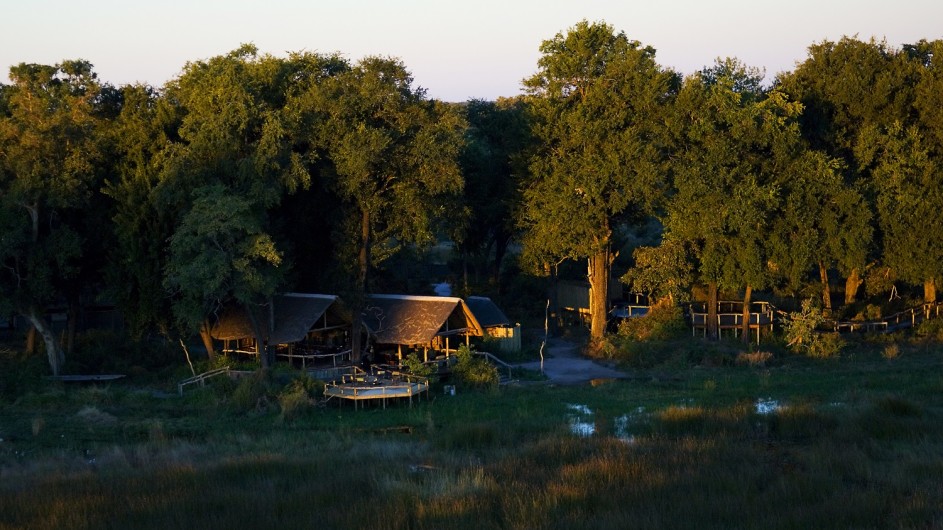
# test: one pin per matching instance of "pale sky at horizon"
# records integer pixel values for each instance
(455, 50)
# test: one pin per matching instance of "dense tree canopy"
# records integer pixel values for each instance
(249, 175)
(597, 101)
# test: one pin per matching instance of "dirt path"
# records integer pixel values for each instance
(563, 364)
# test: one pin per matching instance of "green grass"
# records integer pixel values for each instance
(857, 443)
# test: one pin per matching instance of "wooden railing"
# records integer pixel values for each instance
(907, 318)
(201, 378)
(496, 361)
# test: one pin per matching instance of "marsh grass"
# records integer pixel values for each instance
(854, 443)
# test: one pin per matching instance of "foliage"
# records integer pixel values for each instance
(415, 366)
(665, 271)
(662, 322)
(596, 101)
(802, 335)
(299, 396)
(473, 371)
(50, 170)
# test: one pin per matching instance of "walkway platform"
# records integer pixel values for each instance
(378, 384)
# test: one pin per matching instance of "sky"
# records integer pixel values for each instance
(456, 50)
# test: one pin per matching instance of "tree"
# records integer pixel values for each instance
(909, 203)
(221, 123)
(846, 87)
(824, 222)
(497, 136)
(391, 160)
(220, 254)
(732, 145)
(596, 99)
(49, 163)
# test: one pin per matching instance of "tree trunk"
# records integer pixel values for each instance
(598, 274)
(363, 262)
(73, 322)
(553, 300)
(500, 250)
(929, 291)
(261, 339)
(826, 292)
(207, 340)
(745, 324)
(31, 340)
(53, 351)
(852, 283)
(712, 324)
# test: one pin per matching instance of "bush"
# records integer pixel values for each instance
(299, 396)
(663, 322)
(415, 366)
(471, 371)
(803, 337)
(254, 393)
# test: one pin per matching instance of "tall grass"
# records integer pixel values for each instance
(856, 443)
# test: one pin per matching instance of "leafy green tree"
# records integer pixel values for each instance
(221, 123)
(142, 131)
(732, 146)
(597, 99)
(218, 254)
(824, 223)
(497, 136)
(49, 166)
(846, 87)
(909, 202)
(391, 158)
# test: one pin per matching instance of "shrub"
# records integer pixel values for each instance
(298, 396)
(663, 322)
(474, 372)
(891, 351)
(756, 358)
(802, 335)
(253, 393)
(415, 366)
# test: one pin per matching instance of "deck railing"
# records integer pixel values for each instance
(201, 378)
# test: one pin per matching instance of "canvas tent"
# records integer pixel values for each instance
(495, 324)
(291, 319)
(418, 321)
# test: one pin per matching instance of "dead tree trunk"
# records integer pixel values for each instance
(53, 350)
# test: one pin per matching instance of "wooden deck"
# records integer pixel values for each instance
(378, 384)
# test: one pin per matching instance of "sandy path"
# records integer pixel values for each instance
(564, 365)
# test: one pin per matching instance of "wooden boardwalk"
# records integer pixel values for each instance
(378, 384)
(730, 318)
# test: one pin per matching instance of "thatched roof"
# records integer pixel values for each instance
(487, 312)
(295, 315)
(416, 320)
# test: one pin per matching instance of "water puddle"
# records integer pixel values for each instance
(584, 423)
(767, 406)
(581, 420)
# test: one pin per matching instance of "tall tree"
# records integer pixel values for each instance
(597, 101)
(732, 143)
(498, 134)
(824, 223)
(846, 87)
(218, 254)
(909, 203)
(392, 161)
(49, 162)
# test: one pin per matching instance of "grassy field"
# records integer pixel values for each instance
(855, 442)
